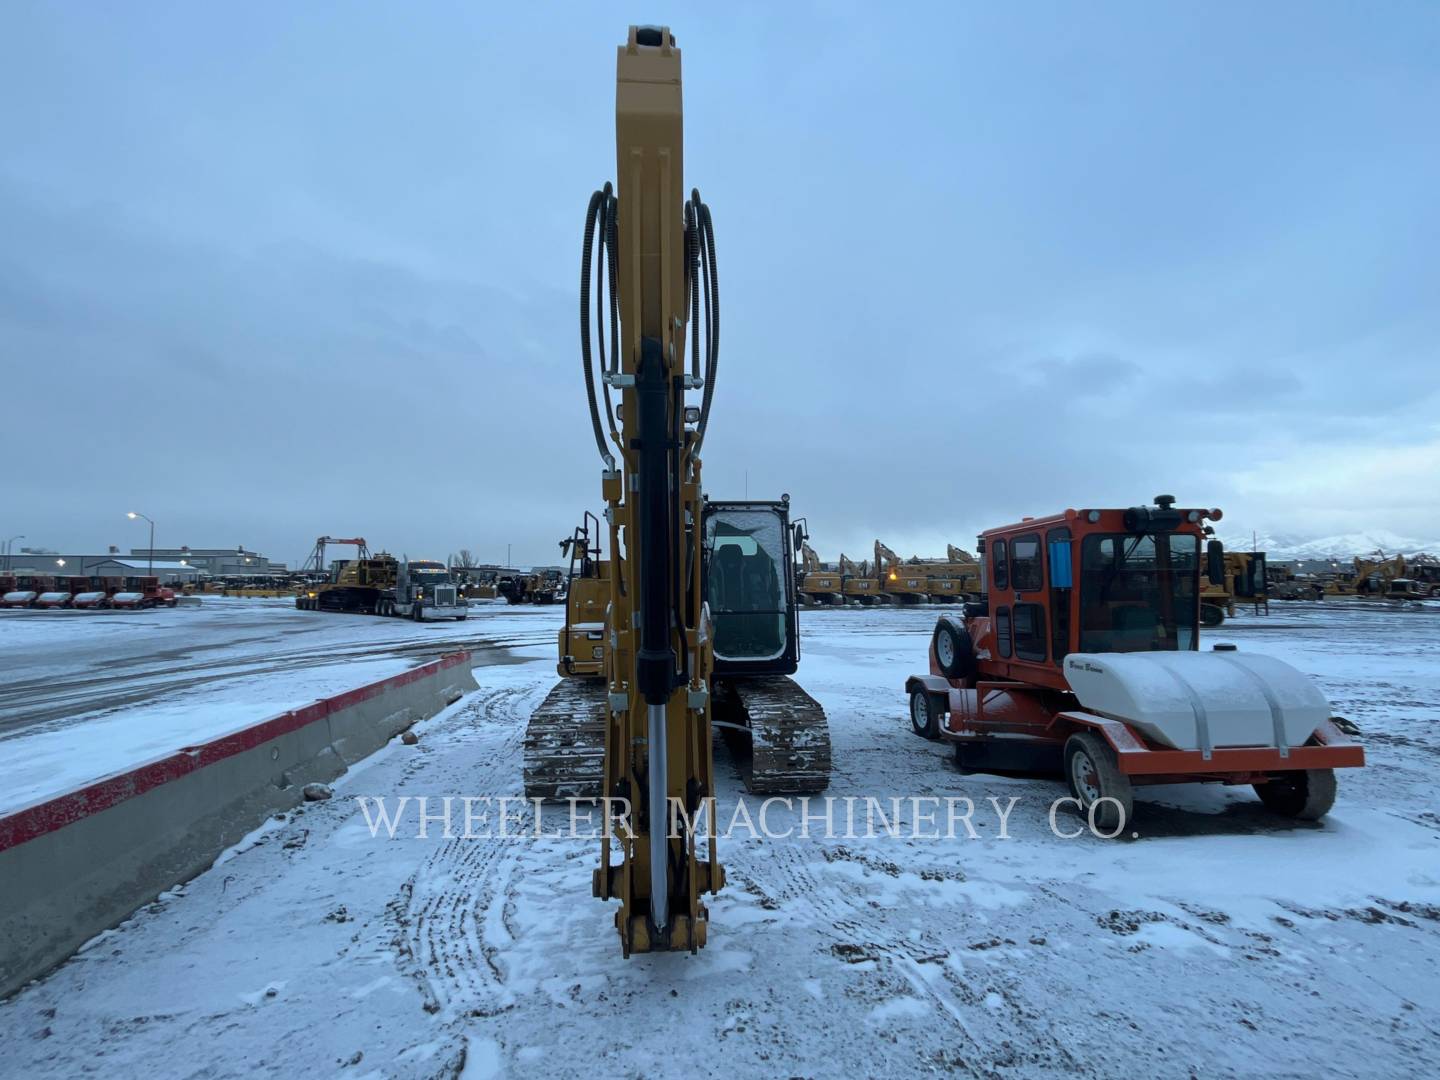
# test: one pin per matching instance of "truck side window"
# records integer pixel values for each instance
(1002, 631)
(1000, 562)
(1026, 564)
(1030, 632)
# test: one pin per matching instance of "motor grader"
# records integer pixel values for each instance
(700, 626)
(1083, 658)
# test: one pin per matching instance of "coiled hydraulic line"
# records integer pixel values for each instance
(600, 219)
(703, 271)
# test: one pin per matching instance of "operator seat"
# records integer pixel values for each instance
(726, 595)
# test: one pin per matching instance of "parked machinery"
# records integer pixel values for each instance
(99, 593)
(22, 590)
(818, 585)
(901, 583)
(381, 584)
(537, 587)
(859, 585)
(1424, 570)
(1083, 658)
(1375, 572)
(1230, 575)
(700, 622)
(143, 592)
(948, 580)
(63, 592)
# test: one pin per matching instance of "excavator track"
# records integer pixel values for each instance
(565, 742)
(789, 735)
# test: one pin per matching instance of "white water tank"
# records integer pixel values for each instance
(1200, 700)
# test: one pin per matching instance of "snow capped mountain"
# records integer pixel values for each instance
(1284, 547)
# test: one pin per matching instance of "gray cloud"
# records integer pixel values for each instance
(274, 277)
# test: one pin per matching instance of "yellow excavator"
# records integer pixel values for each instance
(902, 583)
(700, 627)
(858, 585)
(818, 585)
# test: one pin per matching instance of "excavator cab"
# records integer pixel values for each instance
(749, 585)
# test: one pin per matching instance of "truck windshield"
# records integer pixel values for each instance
(745, 583)
(1139, 593)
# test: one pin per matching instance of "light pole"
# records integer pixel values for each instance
(150, 563)
(7, 548)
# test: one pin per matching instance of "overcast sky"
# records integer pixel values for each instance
(269, 271)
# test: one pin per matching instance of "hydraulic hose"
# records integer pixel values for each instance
(704, 287)
(599, 220)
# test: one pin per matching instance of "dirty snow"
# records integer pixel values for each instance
(1220, 942)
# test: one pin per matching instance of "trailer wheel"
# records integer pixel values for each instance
(1094, 775)
(1305, 794)
(1211, 615)
(954, 650)
(924, 716)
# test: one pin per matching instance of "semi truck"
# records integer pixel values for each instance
(384, 585)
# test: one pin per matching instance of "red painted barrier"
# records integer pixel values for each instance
(55, 813)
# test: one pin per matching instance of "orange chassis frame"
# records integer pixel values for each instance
(1141, 760)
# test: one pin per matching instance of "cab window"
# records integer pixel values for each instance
(1026, 567)
(1000, 565)
(1029, 622)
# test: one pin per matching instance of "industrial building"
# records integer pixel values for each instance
(182, 565)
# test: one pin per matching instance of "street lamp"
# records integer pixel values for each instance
(7, 548)
(150, 563)
(60, 563)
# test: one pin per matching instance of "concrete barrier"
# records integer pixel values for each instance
(81, 862)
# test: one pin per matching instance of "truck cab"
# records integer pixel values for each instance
(425, 590)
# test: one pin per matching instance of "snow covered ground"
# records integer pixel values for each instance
(84, 695)
(1220, 942)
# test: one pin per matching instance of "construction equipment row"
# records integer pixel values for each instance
(87, 593)
(888, 579)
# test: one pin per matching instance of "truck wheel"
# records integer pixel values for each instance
(1211, 615)
(415, 612)
(924, 716)
(1094, 774)
(954, 651)
(1305, 794)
